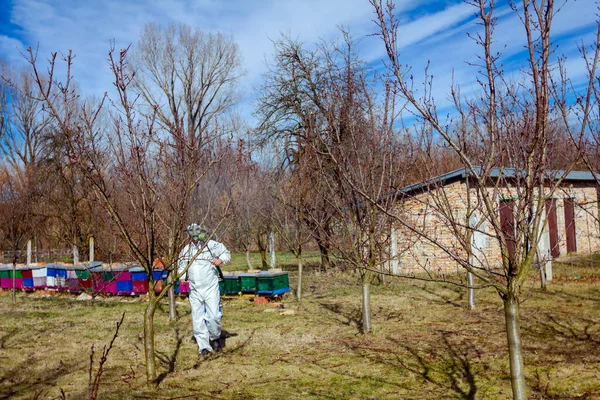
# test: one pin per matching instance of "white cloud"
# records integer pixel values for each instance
(431, 30)
(429, 25)
(10, 47)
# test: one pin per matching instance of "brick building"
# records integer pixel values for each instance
(439, 208)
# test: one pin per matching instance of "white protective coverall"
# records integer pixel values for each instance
(205, 299)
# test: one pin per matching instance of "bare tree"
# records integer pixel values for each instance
(506, 171)
(31, 145)
(285, 107)
(189, 77)
(248, 200)
(23, 147)
(344, 144)
(140, 174)
(288, 193)
(24, 125)
(16, 219)
(364, 158)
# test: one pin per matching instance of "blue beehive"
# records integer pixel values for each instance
(125, 287)
(60, 278)
(139, 279)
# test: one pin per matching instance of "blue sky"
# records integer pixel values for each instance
(431, 30)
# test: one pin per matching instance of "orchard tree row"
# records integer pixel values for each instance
(332, 142)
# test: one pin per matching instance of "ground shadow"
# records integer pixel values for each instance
(239, 348)
(446, 369)
(573, 296)
(451, 295)
(350, 317)
(448, 365)
(15, 383)
(168, 361)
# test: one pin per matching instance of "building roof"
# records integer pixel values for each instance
(461, 174)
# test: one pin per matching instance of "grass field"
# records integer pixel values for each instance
(425, 344)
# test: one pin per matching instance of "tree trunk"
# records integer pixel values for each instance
(172, 308)
(324, 250)
(515, 350)
(299, 290)
(272, 249)
(263, 259)
(366, 307)
(262, 249)
(471, 291)
(14, 283)
(149, 338)
(248, 263)
(542, 276)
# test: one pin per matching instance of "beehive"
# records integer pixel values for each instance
(60, 277)
(231, 284)
(139, 280)
(39, 277)
(27, 279)
(248, 283)
(273, 283)
(5, 281)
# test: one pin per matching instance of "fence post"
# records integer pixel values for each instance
(394, 250)
(272, 248)
(29, 252)
(91, 248)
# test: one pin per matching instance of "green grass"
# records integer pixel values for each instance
(425, 344)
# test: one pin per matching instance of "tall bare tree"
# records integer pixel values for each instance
(341, 141)
(23, 130)
(510, 126)
(288, 101)
(288, 195)
(142, 175)
(190, 77)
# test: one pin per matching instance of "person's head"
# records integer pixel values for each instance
(196, 233)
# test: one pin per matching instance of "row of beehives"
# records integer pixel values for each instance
(126, 280)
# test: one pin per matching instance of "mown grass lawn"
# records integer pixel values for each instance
(425, 344)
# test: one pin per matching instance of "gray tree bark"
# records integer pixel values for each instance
(366, 308)
(513, 334)
(299, 289)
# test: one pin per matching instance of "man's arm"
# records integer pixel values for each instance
(223, 257)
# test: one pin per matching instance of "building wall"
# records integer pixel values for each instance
(430, 212)
(586, 218)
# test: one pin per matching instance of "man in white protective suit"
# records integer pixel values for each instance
(205, 257)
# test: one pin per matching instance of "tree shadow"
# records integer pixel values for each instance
(576, 332)
(447, 366)
(352, 317)
(440, 298)
(6, 337)
(573, 339)
(168, 361)
(15, 383)
(574, 296)
(446, 369)
(239, 348)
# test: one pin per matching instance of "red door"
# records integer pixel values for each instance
(507, 221)
(552, 227)
(570, 225)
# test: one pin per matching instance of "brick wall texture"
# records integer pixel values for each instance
(440, 213)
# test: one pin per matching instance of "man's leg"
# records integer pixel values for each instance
(198, 304)
(213, 316)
